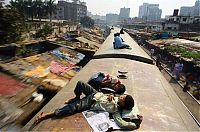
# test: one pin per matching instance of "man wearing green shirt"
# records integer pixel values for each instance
(96, 101)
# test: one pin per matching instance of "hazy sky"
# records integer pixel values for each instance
(102, 7)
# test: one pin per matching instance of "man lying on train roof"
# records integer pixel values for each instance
(106, 83)
(118, 42)
(96, 101)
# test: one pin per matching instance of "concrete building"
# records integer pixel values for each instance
(186, 11)
(71, 11)
(158, 27)
(98, 17)
(171, 26)
(175, 13)
(191, 10)
(196, 8)
(89, 14)
(112, 19)
(124, 13)
(183, 23)
(183, 19)
(150, 12)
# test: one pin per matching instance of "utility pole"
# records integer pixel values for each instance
(127, 3)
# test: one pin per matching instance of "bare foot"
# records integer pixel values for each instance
(39, 119)
(140, 117)
(72, 100)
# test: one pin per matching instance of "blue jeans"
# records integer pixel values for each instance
(79, 105)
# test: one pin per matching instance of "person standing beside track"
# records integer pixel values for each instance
(158, 61)
(96, 101)
(152, 51)
(177, 70)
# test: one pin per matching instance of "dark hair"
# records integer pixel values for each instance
(120, 89)
(129, 102)
(118, 34)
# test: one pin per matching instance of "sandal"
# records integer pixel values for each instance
(122, 72)
(122, 76)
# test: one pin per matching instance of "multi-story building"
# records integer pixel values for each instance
(124, 13)
(196, 8)
(71, 11)
(150, 12)
(175, 24)
(112, 19)
(183, 19)
(182, 23)
(186, 11)
(191, 10)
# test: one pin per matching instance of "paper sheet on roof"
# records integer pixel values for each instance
(99, 122)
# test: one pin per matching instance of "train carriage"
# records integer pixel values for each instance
(160, 107)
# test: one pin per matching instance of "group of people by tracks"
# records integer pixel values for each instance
(182, 71)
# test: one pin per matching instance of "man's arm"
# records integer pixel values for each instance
(122, 123)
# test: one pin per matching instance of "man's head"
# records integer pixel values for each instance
(126, 102)
(117, 34)
(119, 88)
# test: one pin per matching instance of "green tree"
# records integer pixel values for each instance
(1, 3)
(51, 8)
(18, 5)
(39, 9)
(44, 32)
(11, 25)
(87, 21)
(29, 9)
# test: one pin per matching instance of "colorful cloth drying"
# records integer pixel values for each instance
(39, 71)
(68, 57)
(56, 82)
(59, 69)
(10, 86)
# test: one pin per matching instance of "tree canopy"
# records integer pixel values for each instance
(11, 25)
(34, 8)
(87, 21)
(13, 16)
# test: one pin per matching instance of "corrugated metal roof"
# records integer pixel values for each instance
(84, 40)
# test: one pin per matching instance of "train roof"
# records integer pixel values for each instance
(136, 53)
(159, 105)
(157, 102)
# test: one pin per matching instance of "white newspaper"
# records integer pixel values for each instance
(100, 121)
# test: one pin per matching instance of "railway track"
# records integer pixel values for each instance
(192, 105)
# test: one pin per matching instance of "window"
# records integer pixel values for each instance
(184, 19)
(169, 28)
